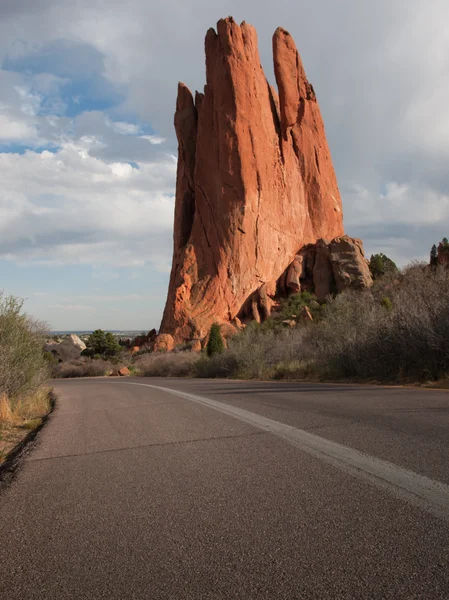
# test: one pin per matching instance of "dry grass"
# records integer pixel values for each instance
(173, 364)
(6, 412)
(19, 417)
(294, 370)
(442, 384)
(85, 367)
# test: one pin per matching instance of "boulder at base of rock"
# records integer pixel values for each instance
(163, 342)
(196, 346)
(124, 372)
(349, 265)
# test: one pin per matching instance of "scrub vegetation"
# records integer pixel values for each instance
(395, 332)
(24, 367)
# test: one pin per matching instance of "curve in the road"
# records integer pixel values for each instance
(421, 491)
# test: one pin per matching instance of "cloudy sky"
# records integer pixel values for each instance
(88, 152)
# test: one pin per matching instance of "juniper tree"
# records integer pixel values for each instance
(215, 345)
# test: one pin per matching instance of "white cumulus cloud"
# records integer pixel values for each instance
(70, 207)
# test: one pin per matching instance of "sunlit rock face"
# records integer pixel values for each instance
(255, 183)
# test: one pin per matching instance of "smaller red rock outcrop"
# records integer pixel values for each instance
(142, 341)
(324, 268)
(349, 265)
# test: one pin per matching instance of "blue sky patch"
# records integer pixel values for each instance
(81, 65)
(14, 148)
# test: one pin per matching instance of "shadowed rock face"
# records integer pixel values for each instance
(324, 269)
(255, 182)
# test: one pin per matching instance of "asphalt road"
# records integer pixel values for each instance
(231, 490)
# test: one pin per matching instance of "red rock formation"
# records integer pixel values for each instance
(255, 182)
(330, 267)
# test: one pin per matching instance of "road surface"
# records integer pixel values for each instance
(231, 490)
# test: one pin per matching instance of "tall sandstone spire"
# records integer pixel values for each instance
(255, 181)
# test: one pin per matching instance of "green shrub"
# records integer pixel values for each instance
(101, 344)
(225, 365)
(215, 344)
(23, 366)
(293, 305)
(380, 265)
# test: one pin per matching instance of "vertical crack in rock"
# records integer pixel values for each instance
(259, 193)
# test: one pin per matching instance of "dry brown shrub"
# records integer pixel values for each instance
(84, 367)
(170, 364)
(396, 332)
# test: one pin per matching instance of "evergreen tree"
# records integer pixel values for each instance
(215, 345)
(433, 256)
(101, 343)
(111, 347)
(380, 264)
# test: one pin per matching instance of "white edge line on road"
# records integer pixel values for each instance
(421, 491)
